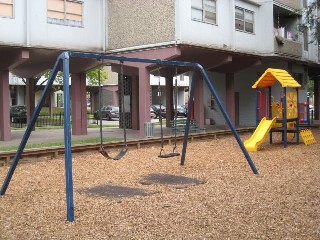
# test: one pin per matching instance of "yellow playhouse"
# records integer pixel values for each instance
(280, 119)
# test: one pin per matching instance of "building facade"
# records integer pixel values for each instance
(235, 41)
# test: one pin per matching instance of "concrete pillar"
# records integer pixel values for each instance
(230, 97)
(78, 104)
(30, 97)
(5, 128)
(144, 98)
(198, 101)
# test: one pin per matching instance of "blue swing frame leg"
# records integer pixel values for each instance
(67, 140)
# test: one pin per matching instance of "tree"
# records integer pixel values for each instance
(311, 21)
(92, 78)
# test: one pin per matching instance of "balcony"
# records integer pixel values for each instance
(286, 47)
(287, 39)
(294, 4)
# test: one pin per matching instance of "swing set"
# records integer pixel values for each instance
(123, 151)
(64, 61)
(173, 153)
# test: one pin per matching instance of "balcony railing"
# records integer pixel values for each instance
(285, 47)
(295, 4)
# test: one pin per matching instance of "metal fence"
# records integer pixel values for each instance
(43, 120)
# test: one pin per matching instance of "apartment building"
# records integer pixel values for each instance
(234, 40)
(34, 33)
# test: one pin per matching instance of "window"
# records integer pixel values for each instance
(244, 20)
(65, 12)
(203, 10)
(6, 8)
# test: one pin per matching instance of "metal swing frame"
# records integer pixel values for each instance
(123, 151)
(64, 61)
(162, 152)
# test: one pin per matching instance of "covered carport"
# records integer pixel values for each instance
(29, 63)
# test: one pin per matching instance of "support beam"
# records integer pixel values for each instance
(198, 101)
(79, 104)
(5, 130)
(144, 98)
(12, 58)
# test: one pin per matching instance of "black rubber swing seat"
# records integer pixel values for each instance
(119, 156)
(168, 155)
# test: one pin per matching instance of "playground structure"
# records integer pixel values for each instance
(64, 62)
(283, 115)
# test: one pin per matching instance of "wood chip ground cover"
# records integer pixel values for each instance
(282, 202)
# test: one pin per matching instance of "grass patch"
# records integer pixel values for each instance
(60, 144)
(55, 110)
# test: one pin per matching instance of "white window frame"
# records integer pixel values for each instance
(244, 20)
(203, 11)
(6, 3)
(65, 21)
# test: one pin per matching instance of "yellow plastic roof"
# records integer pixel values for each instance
(272, 75)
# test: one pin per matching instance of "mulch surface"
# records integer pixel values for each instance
(215, 195)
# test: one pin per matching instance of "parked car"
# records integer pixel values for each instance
(18, 113)
(107, 112)
(156, 109)
(152, 113)
(181, 111)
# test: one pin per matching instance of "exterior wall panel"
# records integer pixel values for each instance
(134, 23)
(205, 34)
(29, 28)
(223, 34)
(13, 30)
(85, 38)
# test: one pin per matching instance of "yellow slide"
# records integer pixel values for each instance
(259, 134)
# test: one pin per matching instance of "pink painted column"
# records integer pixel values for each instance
(144, 98)
(135, 103)
(5, 129)
(30, 97)
(198, 101)
(230, 97)
(79, 104)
